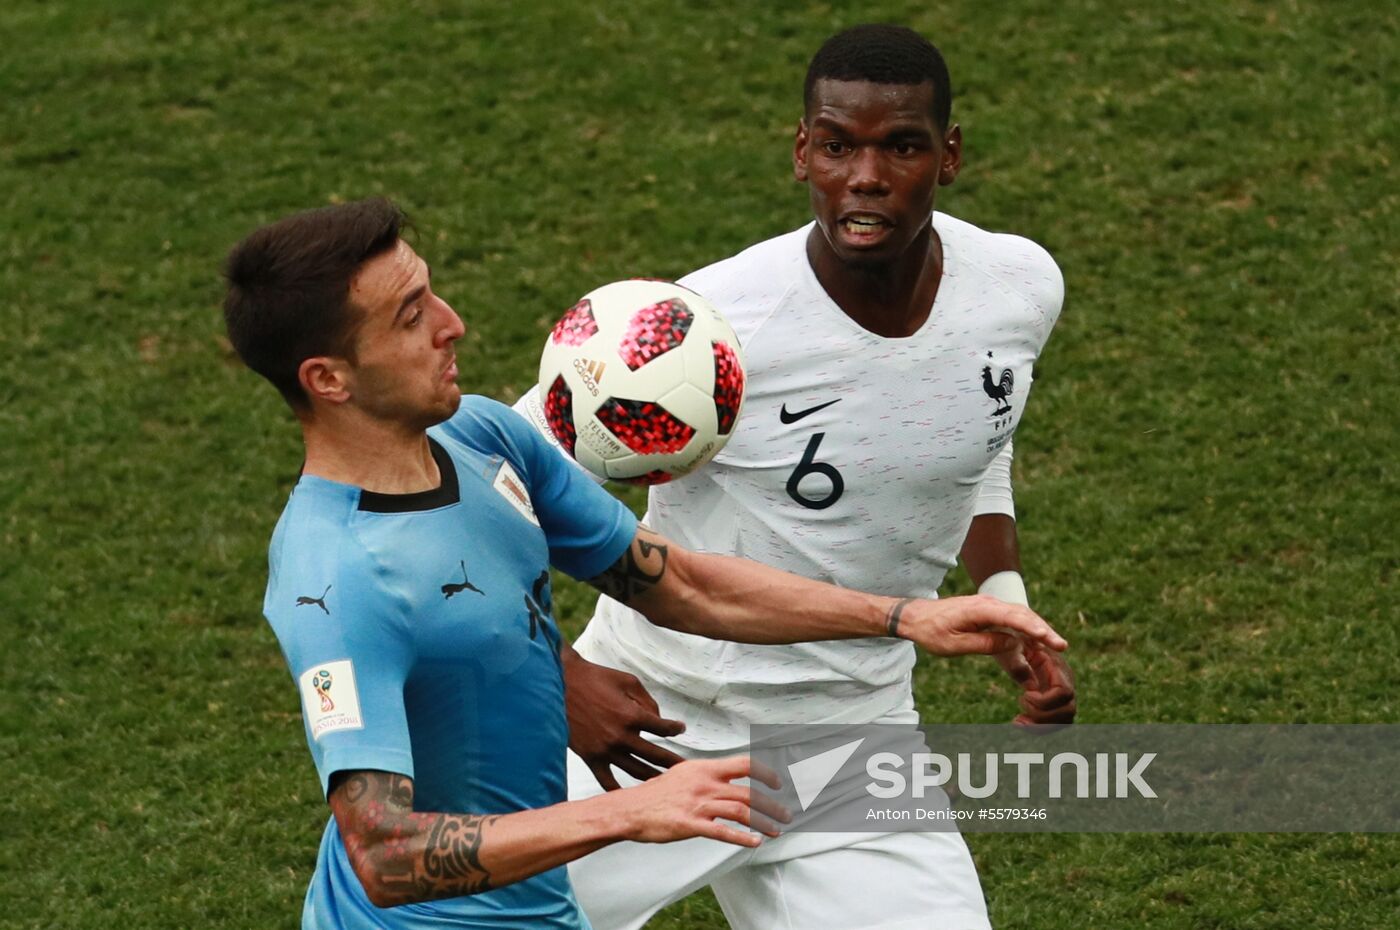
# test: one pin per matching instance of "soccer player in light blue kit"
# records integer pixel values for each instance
(409, 589)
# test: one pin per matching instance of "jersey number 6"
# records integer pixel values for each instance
(809, 466)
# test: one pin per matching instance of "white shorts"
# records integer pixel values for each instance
(799, 881)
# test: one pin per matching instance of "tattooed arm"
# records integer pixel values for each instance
(403, 856)
(729, 598)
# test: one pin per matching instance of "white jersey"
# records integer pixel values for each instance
(859, 460)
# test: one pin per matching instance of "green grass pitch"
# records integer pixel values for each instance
(1206, 478)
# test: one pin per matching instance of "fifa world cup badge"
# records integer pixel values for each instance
(322, 683)
(323, 713)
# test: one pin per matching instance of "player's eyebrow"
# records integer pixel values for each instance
(902, 129)
(830, 123)
(409, 299)
(412, 296)
(911, 131)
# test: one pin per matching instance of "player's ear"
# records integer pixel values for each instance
(799, 152)
(325, 378)
(952, 156)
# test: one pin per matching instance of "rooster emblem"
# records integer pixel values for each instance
(998, 390)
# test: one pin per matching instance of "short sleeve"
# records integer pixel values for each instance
(1041, 280)
(349, 652)
(994, 493)
(586, 527)
(1052, 298)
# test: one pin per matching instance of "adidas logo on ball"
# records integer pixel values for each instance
(591, 372)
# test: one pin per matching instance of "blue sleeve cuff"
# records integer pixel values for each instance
(359, 758)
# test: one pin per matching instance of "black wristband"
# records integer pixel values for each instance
(892, 619)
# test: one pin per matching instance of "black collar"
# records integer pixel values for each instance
(443, 495)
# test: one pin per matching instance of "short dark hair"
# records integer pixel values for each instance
(882, 54)
(289, 287)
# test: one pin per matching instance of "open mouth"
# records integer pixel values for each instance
(450, 374)
(864, 226)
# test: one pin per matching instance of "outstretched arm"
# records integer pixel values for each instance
(992, 551)
(728, 598)
(403, 856)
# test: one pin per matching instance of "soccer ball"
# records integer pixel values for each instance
(642, 381)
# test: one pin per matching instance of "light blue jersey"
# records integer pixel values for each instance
(418, 630)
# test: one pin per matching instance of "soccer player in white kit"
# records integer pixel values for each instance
(889, 351)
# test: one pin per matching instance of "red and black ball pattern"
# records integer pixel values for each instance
(729, 386)
(559, 412)
(653, 331)
(576, 326)
(644, 426)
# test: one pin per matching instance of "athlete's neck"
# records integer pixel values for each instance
(891, 299)
(375, 456)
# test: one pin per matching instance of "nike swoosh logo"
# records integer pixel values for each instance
(794, 417)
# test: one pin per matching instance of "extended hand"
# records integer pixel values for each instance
(957, 626)
(608, 711)
(691, 799)
(1047, 683)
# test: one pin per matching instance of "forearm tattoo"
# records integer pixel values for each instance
(640, 569)
(892, 618)
(407, 856)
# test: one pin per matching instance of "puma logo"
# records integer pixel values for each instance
(452, 587)
(318, 601)
(538, 604)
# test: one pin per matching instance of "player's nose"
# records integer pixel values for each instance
(452, 328)
(867, 172)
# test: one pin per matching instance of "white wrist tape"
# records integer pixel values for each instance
(1006, 586)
